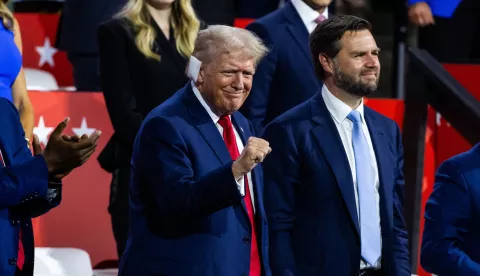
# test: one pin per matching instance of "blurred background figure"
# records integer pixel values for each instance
(285, 77)
(216, 11)
(448, 29)
(77, 36)
(12, 77)
(143, 54)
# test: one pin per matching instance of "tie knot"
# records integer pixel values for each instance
(354, 116)
(225, 122)
(320, 19)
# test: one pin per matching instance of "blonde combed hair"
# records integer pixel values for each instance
(219, 39)
(6, 15)
(183, 20)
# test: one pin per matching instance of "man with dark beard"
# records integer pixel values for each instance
(334, 180)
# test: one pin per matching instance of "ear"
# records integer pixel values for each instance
(201, 77)
(326, 62)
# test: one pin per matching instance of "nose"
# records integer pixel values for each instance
(238, 82)
(372, 61)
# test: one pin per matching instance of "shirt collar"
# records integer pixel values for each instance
(212, 115)
(337, 108)
(307, 14)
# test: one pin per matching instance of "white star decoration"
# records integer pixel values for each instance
(42, 131)
(46, 53)
(83, 129)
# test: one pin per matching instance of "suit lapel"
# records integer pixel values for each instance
(297, 30)
(385, 177)
(329, 140)
(205, 125)
(166, 49)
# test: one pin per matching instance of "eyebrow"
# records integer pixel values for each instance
(364, 52)
(235, 70)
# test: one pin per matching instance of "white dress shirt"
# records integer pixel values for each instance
(215, 118)
(308, 15)
(339, 111)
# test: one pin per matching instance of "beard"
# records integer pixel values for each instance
(350, 85)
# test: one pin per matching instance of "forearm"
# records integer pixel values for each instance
(27, 118)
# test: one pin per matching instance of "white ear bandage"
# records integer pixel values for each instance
(193, 68)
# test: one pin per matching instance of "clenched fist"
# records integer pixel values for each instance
(254, 152)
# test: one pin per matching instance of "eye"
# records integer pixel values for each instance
(228, 73)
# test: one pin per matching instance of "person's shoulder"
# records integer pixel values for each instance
(9, 115)
(295, 117)
(380, 119)
(7, 107)
(463, 163)
(174, 107)
(116, 25)
(273, 18)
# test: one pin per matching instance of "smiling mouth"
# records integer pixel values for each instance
(233, 93)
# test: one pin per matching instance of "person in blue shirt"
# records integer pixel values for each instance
(447, 28)
(12, 78)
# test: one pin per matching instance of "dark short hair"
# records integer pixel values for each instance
(326, 37)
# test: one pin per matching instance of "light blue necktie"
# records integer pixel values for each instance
(369, 222)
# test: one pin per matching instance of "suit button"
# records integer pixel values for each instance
(15, 222)
(12, 261)
(247, 240)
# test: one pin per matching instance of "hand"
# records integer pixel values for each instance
(254, 152)
(420, 14)
(63, 153)
(74, 138)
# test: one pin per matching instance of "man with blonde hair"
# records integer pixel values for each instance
(196, 191)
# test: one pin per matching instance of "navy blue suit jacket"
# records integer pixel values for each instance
(286, 76)
(23, 191)
(451, 236)
(186, 213)
(310, 200)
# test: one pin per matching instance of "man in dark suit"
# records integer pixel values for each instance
(451, 236)
(195, 201)
(31, 186)
(286, 77)
(334, 179)
(77, 35)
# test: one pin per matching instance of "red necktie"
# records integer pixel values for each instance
(231, 142)
(21, 253)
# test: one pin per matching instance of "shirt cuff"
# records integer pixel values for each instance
(241, 186)
(53, 189)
